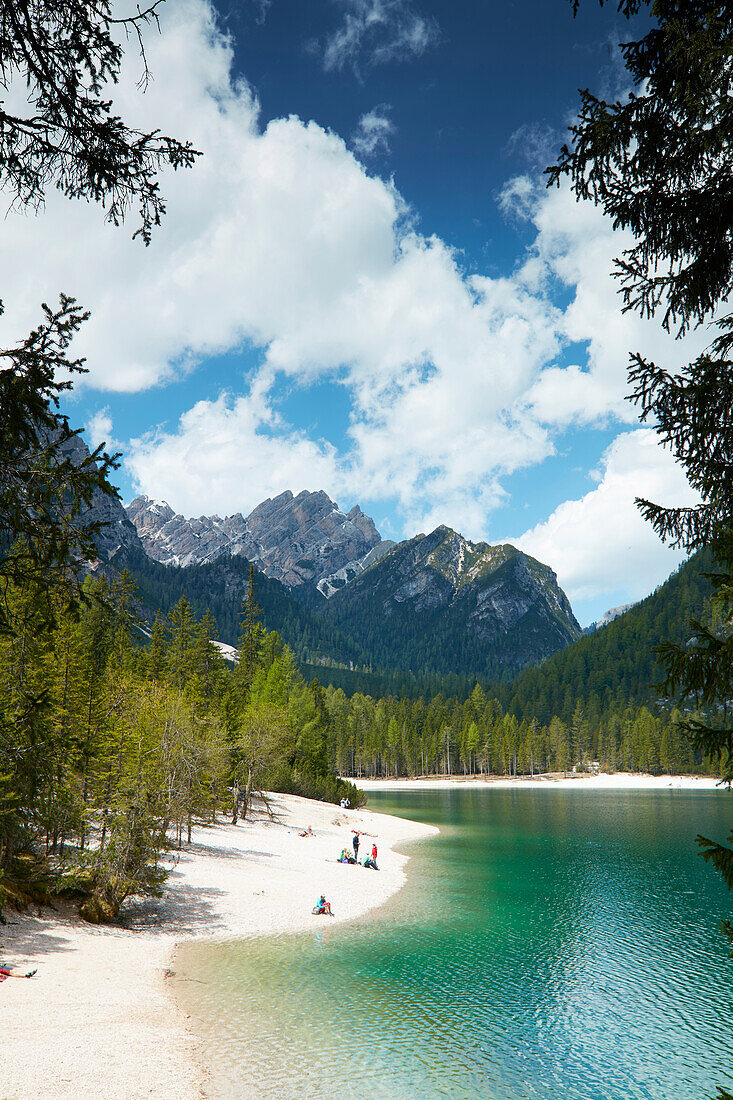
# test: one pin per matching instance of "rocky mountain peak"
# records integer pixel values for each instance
(152, 514)
(295, 539)
(365, 524)
(116, 529)
(478, 598)
(264, 511)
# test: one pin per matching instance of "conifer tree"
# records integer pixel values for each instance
(45, 536)
(250, 639)
(659, 163)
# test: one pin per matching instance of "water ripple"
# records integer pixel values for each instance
(549, 945)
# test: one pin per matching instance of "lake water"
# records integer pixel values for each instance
(551, 944)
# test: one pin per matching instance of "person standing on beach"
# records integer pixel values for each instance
(355, 842)
(374, 851)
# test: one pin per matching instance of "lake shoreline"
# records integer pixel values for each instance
(533, 920)
(100, 1019)
(616, 781)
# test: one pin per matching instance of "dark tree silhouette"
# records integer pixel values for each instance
(660, 163)
(66, 55)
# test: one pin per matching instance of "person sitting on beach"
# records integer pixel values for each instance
(369, 862)
(323, 906)
(345, 857)
(308, 831)
(14, 972)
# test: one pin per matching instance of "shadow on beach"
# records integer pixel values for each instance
(183, 910)
(218, 852)
(34, 936)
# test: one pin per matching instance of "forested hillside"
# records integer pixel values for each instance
(615, 666)
(402, 685)
(366, 637)
(593, 702)
(111, 748)
(440, 604)
(220, 587)
(407, 737)
(606, 670)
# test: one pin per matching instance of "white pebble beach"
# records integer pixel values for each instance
(98, 1021)
(613, 781)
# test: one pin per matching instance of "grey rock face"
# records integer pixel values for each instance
(295, 539)
(608, 617)
(332, 583)
(437, 595)
(496, 586)
(116, 531)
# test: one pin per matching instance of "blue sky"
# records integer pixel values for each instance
(364, 286)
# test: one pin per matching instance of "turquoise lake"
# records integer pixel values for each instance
(552, 944)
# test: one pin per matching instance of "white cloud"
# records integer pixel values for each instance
(372, 133)
(266, 228)
(279, 238)
(375, 32)
(601, 543)
(576, 246)
(99, 429)
(227, 456)
(434, 365)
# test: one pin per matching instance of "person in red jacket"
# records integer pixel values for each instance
(15, 972)
(323, 906)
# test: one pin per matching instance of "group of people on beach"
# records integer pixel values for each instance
(324, 907)
(369, 861)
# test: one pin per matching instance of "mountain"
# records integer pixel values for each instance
(441, 603)
(335, 581)
(218, 586)
(117, 531)
(221, 586)
(616, 667)
(299, 540)
(608, 617)
(339, 594)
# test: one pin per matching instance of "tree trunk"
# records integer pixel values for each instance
(247, 794)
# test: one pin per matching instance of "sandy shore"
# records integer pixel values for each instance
(98, 1022)
(622, 781)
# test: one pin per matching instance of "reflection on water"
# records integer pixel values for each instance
(550, 944)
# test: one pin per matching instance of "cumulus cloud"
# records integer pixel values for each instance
(373, 32)
(279, 237)
(436, 367)
(600, 542)
(99, 429)
(372, 133)
(228, 455)
(574, 247)
(281, 240)
(268, 226)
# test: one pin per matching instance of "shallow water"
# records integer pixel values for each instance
(549, 944)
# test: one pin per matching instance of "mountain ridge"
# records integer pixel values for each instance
(433, 603)
(438, 601)
(303, 539)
